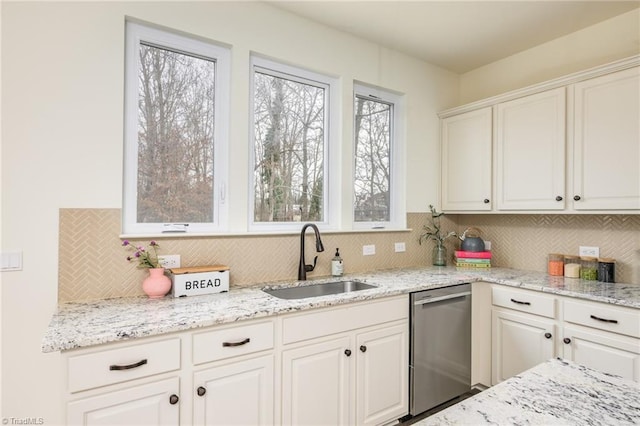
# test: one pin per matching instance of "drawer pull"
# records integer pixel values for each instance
(548, 335)
(240, 343)
(604, 319)
(174, 399)
(520, 303)
(201, 391)
(347, 352)
(128, 367)
(566, 340)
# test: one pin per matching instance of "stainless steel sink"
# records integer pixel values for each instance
(320, 289)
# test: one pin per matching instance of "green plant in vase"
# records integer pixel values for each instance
(433, 231)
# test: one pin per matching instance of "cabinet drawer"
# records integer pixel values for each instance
(350, 317)
(603, 317)
(524, 301)
(118, 365)
(228, 342)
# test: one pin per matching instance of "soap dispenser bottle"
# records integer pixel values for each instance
(337, 267)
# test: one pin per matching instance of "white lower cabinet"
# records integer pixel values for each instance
(240, 393)
(603, 351)
(315, 383)
(353, 371)
(538, 326)
(154, 403)
(519, 342)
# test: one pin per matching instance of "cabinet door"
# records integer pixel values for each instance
(240, 393)
(315, 383)
(607, 142)
(149, 404)
(606, 352)
(519, 342)
(466, 161)
(530, 152)
(382, 375)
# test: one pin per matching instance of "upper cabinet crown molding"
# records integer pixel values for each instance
(619, 65)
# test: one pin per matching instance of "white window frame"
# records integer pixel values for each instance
(332, 167)
(397, 199)
(137, 33)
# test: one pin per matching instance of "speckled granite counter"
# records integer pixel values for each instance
(555, 392)
(82, 324)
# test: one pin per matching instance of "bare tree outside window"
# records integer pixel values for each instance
(373, 120)
(175, 137)
(289, 148)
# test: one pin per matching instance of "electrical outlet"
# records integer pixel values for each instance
(400, 247)
(369, 250)
(169, 261)
(589, 251)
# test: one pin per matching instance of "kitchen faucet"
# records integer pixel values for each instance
(303, 268)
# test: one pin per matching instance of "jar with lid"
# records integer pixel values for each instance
(606, 270)
(589, 268)
(571, 266)
(556, 264)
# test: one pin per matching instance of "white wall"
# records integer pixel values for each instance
(62, 99)
(613, 39)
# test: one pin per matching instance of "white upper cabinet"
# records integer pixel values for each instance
(606, 156)
(466, 161)
(530, 152)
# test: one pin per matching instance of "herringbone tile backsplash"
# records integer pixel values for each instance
(92, 261)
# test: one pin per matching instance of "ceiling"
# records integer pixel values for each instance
(458, 35)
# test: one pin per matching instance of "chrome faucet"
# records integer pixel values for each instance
(303, 268)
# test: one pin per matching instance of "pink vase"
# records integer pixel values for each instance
(157, 284)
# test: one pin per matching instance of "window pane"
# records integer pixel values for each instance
(289, 150)
(372, 160)
(175, 137)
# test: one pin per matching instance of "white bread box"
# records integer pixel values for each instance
(197, 280)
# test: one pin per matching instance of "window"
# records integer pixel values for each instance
(176, 126)
(290, 147)
(377, 194)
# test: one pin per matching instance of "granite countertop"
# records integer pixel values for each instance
(554, 392)
(82, 324)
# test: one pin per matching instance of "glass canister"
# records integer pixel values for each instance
(556, 264)
(571, 266)
(589, 268)
(606, 270)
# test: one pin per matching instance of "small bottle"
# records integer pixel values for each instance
(337, 267)
(556, 264)
(589, 268)
(571, 266)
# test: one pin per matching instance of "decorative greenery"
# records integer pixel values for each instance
(433, 231)
(146, 258)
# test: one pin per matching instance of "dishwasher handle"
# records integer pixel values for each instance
(441, 298)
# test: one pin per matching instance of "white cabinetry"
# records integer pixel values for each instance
(529, 327)
(237, 388)
(523, 331)
(466, 161)
(98, 397)
(530, 152)
(603, 337)
(607, 142)
(346, 365)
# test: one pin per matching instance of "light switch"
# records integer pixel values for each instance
(11, 261)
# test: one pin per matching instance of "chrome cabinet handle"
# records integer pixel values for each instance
(240, 343)
(520, 303)
(128, 367)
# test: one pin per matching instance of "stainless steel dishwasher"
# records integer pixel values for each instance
(440, 351)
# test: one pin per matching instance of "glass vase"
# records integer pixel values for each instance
(439, 255)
